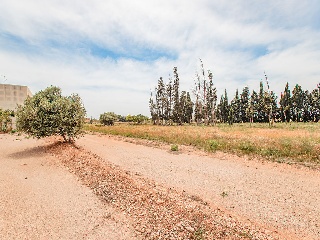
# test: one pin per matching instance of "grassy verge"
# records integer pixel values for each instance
(298, 142)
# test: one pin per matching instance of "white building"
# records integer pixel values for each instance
(13, 95)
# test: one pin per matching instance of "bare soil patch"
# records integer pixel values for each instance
(158, 211)
(149, 192)
(40, 199)
(277, 196)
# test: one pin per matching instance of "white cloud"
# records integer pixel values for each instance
(46, 43)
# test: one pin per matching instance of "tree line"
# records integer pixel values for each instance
(168, 105)
(109, 118)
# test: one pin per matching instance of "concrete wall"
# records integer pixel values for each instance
(12, 95)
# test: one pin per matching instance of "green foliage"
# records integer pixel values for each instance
(247, 147)
(49, 113)
(206, 97)
(137, 119)
(6, 120)
(167, 105)
(213, 145)
(174, 148)
(285, 104)
(122, 118)
(108, 118)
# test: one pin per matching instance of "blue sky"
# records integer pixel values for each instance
(113, 52)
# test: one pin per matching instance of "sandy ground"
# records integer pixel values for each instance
(278, 196)
(108, 188)
(40, 199)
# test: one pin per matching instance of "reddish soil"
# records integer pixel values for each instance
(108, 188)
(278, 196)
(40, 199)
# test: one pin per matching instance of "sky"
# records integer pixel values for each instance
(112, 53)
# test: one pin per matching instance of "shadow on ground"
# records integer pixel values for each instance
(27, 153)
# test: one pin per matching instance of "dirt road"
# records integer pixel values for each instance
(57, 191)
(40, 199)
(275, 195)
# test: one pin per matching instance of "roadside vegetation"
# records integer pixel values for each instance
(255, 123)
(48, 113)
(6, 120)
(295, 142)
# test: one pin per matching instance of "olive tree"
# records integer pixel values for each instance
(49, 113)
(108, 118)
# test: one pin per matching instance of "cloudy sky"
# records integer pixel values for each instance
(113, 52)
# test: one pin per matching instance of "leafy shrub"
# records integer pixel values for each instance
(6, 120)
(49, 113)
(138, 119)
(108, 118)
(174, 148)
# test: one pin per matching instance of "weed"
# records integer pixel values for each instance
(174, 148)
(213, 145)
(224, 194)
(306, 147)
(270, 152)
(247, 147)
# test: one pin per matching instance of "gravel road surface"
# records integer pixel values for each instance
(40, 199)
(278, 196)
(51, 191)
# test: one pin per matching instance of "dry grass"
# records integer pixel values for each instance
(296, 142)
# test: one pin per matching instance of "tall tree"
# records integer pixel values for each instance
(211, 100)
(307, 106)
(315, 104)
(223, 108)
(285, 104)
(169, 102)
(244, 104)
(161, 99)
(297, 101)
(253, 106)
(235, 105)
(189, 108)
(206, 97)
(176, 99)
(153, 109)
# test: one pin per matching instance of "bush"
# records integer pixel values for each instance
(6, 120)
(108, 118)
(137, 119)
(49, 113)
(174, 148)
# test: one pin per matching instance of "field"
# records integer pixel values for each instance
(291, 143)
